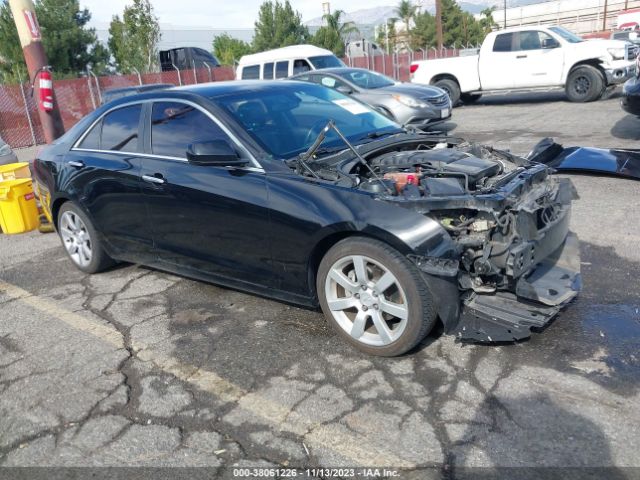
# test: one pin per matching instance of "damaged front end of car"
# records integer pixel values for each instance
(514, 263)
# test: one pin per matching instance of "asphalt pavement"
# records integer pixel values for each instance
(136, 367)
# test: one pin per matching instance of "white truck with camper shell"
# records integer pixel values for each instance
(530, 58)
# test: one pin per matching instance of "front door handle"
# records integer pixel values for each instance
(521, 56)
(75, 163)
(157, 179)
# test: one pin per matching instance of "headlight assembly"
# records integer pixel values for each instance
(409, 101)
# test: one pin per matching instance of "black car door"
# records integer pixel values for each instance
(206, 218)
(104, 175)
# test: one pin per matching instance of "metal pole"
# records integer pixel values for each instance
(505, 13)
(138, 73)
(209, 69)
(26, 109)
(97, 84)
(179, 76)
(93, 100)
(24, 16)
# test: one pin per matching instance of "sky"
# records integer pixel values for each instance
(219, 14)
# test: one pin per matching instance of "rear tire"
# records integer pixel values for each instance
(374, 297)
(469, 98)
(81, 241)
(451, 87)
(585, 84)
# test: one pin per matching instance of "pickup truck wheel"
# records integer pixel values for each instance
(470, 98)
(374, 297)
(451, 87)
(585, 84)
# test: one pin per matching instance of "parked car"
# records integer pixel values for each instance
(6, 154)
(416, 105)
(185, 58)
(114, 93)
(249, 186)
(631, 93)
(284, 62)
(526, 58)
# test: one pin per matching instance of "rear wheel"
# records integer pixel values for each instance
(585, 84)
(81, 241)
(470, 97)
(451, 87)
(374, 297)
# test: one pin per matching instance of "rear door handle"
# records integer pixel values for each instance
(157, 179)
(521, 56)
(76, 164)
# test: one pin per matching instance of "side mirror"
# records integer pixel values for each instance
(215, 153)
(344, 90)
(550, 43)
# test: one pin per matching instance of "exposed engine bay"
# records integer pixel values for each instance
(507, 217)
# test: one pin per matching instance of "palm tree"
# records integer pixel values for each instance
(343, 29)
(406, 11)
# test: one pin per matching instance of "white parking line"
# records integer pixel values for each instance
(352, 447)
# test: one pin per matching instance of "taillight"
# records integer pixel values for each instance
(413, 67)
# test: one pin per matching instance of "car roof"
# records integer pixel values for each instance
(283, 53)
(207, 90)
(339, 71)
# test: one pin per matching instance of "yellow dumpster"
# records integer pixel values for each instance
(14, 171)
(18, 209)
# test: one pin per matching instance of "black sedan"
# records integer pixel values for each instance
(296, 192)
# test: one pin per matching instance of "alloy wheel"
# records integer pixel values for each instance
(366, 300)
(581, 85)
(76, 238)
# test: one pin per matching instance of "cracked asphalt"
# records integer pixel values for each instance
(136, 367)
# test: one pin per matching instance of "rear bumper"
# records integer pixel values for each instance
(539, 296)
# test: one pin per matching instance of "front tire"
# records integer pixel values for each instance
(81, 241)
(451, 87)
(374, 297)
(585, 84)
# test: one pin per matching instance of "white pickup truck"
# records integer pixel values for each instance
(528, 58)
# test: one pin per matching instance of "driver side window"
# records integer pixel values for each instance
(176, 125)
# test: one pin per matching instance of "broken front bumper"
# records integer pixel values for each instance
(539, 296)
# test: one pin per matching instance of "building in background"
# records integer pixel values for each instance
(579, 16)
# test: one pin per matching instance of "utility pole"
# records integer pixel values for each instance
(604, 16)
(505, 14)
(24, 16)
(439, 39)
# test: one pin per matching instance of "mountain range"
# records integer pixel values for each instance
(378, 15)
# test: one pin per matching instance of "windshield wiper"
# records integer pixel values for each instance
(378, 134)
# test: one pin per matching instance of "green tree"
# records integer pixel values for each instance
(389, 32)
(278, 25)
(423, 35)
(70, 45)
(133, 41)
(335, 33)
(228, 49)
(487, 23)
(406, 10)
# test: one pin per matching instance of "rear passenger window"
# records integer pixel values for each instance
(503, 43)
(120, 129)
(268, 71)
(92, 140)
(282, 69)
(175, 126)
(251, 72)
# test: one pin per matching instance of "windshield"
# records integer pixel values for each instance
(367, 80)
(287, 118)
(566, 34)
(325, 61)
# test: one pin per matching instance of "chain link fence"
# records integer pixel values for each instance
(19, 120)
